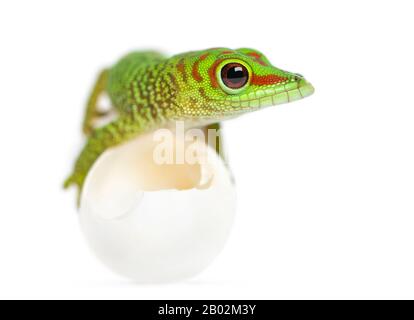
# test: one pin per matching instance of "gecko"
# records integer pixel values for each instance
(201, 88)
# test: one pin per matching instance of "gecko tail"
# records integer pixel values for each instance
(68, 182)
(72, 180)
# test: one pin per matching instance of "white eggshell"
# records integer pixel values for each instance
(156, 223)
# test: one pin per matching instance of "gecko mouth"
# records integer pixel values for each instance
(266, 97)
(272, 96)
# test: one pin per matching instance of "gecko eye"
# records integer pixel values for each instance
(234, 75)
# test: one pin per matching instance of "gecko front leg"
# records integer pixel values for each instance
(100, 140)
(92, 112)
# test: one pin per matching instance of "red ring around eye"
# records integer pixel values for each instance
(234, 75)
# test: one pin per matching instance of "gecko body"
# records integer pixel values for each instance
(201, 88)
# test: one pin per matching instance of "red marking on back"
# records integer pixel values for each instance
(203, 93)
(267, 79)
(195, 72)
(257, 57)
(227, 52)
(181, 69)
(212, 72)
(254, 54)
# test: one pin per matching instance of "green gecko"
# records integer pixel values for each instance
(201, 88)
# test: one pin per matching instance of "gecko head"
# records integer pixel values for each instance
(222, 83)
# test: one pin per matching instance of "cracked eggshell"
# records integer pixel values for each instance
(156, 223)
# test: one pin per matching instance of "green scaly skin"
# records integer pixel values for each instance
(150, 91)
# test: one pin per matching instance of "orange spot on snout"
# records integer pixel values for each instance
(257, 57)
(266, 80)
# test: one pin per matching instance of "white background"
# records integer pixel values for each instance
(325, 185)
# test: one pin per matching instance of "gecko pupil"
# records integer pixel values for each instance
(234, 75)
